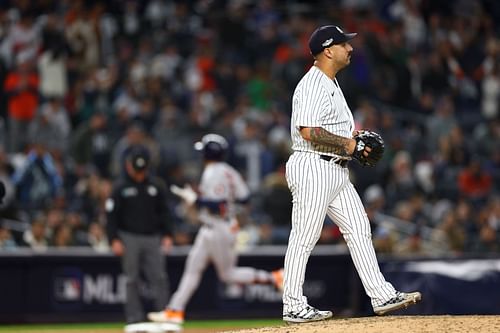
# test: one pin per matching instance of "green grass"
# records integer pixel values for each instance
(240, 323)
(53, 327)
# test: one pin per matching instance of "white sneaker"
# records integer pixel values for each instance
(307, 314)
(401, 300)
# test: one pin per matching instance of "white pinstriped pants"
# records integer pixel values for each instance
(318, 188)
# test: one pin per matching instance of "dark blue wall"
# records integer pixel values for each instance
(66, 288)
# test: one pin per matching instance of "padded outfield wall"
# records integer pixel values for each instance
(80, 285)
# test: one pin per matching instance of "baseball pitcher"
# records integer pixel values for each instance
(324, 141)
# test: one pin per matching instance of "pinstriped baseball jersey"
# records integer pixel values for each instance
(318, 101)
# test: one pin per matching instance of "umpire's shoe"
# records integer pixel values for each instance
(306, 315)
(401, 300)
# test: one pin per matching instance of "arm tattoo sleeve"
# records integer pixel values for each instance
(321, 136)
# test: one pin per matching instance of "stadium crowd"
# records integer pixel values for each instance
(83, 81)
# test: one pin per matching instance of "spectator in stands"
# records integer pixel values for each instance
(435, 74)
(375, 202)
(421, 209)
(148, 114)
(490, 86)
(487, 241)
(51, 127)
(413, 245)
(487, 138)
(454, 233)
(474, 182)
(36, 237)
(384, 240)
(440, 122)
(97, 238)
(62, 236)
(23, 37)
(21, 87)
(7, 242)
(172, 133)
(256, 159)
(134, 135)
(459, 151)
(91, 145)
(401, 183)
(52, 64)
(277, 204)
(37, 180)
(81, 34)
(484, 237)
(55, 217)
(87, 196)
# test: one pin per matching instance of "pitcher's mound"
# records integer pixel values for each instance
(391, 324)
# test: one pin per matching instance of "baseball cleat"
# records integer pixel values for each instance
(167, 316)
(401, 300)
(278, 279)
(306, 315)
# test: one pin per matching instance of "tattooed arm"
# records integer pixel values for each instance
(341, 145)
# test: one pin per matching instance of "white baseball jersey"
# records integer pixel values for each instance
(320, 187)
(318, 101)
(221, 185)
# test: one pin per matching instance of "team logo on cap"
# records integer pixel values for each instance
(327, 42)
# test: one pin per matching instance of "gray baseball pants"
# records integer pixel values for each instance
(143, 254)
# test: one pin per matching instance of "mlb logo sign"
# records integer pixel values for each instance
(67, 289)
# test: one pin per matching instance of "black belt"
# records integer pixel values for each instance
(341, 162)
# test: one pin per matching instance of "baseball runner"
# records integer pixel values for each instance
(323, 141)
(222, 192)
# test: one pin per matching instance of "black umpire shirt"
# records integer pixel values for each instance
(139, 208)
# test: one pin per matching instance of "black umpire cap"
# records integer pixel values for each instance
(327, 36)
(139, 157)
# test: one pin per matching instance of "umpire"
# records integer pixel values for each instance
(139, 228)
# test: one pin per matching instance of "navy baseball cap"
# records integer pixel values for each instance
(327, 36)
(139, 157)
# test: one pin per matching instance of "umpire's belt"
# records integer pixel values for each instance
(340, 161)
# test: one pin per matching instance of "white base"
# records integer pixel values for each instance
(149, 327)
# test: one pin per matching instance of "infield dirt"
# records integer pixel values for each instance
(391, 324)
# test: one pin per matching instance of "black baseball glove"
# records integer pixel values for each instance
(368, 139)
